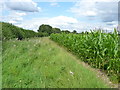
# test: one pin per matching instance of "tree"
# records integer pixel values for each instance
(74, 31)
(66, 31)
(56, 30)
(45, 29)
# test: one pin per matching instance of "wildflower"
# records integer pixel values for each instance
(71, 73)
(14, 45)
(20, 80)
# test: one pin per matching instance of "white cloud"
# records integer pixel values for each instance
(20, 14)
(83, 8)
(106, 10)
(62, 20)
(64, 23)
(114, 23)
(22, 5)
(90, 13)
(11, 21)
(13, 17)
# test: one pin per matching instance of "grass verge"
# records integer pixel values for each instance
(40, 63)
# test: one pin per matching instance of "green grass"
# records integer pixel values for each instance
(40, 63)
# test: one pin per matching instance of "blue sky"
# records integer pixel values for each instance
(80, 15)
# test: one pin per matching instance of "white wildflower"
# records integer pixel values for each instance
(71, 73)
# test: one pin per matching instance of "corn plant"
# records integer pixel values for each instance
(97, 48)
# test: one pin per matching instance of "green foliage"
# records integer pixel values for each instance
(42, 34)
(10, 31)
(56, 30)
(66, 31)
(45, 29)
(40, 63)
(74, 31)
(98, 49)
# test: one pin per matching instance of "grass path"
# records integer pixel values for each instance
(41, 63)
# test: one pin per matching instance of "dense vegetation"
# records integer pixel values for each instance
(98, 49)
(40, 63)
(47, 30)
(10, 31)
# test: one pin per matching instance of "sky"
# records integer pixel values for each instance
(79, 15)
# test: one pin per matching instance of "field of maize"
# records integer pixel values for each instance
(98, 49)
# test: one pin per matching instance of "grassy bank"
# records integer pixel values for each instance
(40, 63)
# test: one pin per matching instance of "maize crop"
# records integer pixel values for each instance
(98, 49)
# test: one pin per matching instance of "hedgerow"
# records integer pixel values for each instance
(10, 31)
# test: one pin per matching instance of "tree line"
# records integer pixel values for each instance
(10, 31)
(47, 30)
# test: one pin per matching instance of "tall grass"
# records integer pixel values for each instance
(40, 63)
(98, 49)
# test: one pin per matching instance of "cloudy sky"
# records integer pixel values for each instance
(80, 15)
